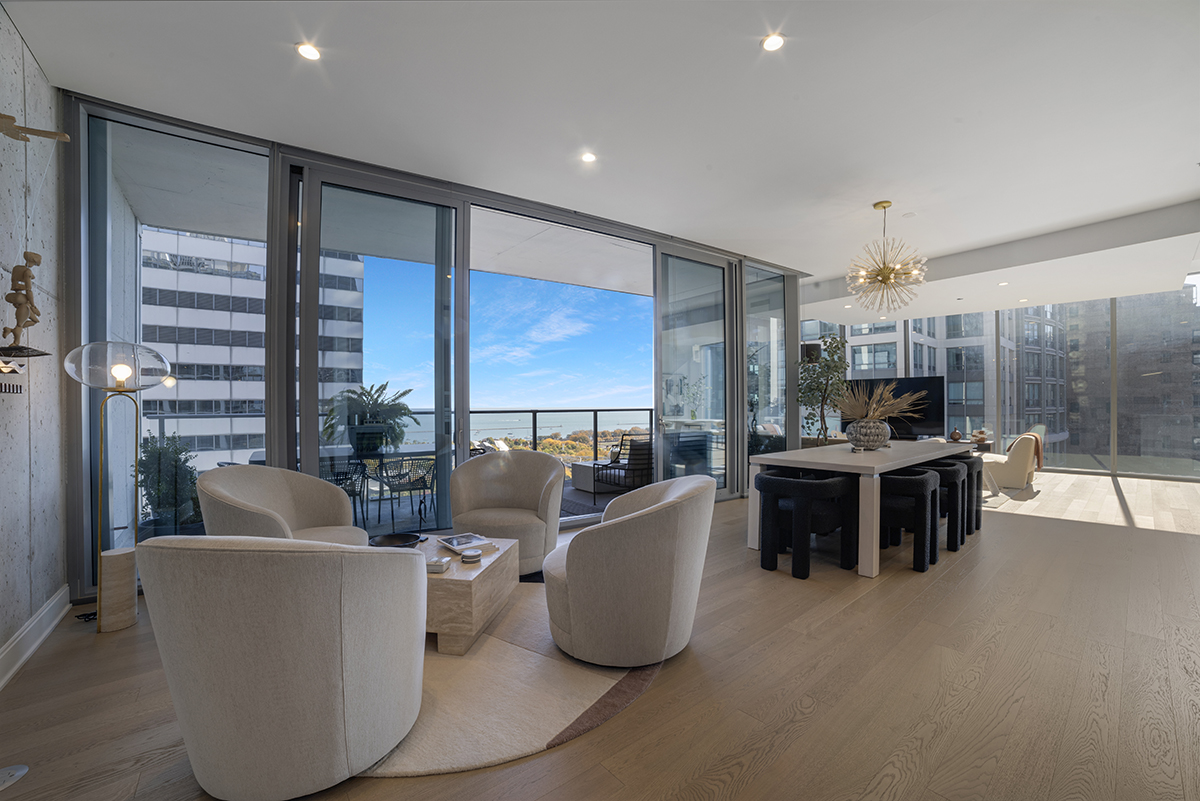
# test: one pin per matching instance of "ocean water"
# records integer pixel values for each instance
(519, 425)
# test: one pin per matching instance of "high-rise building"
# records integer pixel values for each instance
(203, 305)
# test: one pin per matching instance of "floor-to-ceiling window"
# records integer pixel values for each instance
(561, 349)
(766, 361)
(383, 343)
(176, 239)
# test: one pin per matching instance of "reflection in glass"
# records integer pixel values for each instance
(766, 362)
(693, 369)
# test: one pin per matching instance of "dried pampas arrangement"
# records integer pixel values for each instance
(859, 403)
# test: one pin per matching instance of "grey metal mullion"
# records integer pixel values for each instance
(998, 434)
(310, 265)
(280, 340)
(462, 336)
(443, 337)
(658, 424)
(1112, 385)
(736, 441)
(75, 321)
(791, 355)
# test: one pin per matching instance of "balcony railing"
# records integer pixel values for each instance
(571, 435)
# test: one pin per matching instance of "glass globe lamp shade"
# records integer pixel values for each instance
(117, 366)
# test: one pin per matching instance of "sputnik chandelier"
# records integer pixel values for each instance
(883, 277)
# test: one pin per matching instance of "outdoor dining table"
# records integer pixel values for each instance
(868, 465)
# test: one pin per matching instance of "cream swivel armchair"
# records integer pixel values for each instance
(249, 500)
(514, 495)
(624, 592)
(1014, 470)
(292, 665)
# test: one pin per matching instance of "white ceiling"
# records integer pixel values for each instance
(991, 121)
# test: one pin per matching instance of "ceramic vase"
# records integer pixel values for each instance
(868, 435)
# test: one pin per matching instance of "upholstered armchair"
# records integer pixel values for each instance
(257, 501)
(624, 592)
(515, 495)
(1014, 470)
(292, 665)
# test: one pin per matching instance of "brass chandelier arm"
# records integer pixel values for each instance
(882, 279)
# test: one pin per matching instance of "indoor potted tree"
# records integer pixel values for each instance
(168, 483)
(822, 384)
(369, 417)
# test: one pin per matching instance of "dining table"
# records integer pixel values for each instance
(867, 465)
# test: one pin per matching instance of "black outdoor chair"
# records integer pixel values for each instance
(952, 498)
(908, 499)
(409, 474)
(634, 467)
(351, 476)
(816, 506)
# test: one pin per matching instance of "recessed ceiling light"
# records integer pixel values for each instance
(909, 214)
(958, 298)
(589, 157)
(847, 306)
(308, 51)
(772, 42)
(1023, 300)
(1002, 283)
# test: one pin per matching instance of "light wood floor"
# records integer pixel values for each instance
(1051, 658)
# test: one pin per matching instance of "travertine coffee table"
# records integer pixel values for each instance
(463, 600)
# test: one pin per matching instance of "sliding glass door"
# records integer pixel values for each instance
(692, 302)
(375, 335)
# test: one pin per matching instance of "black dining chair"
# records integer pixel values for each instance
(952, 498)
(974, 488)
(816, 506)
(908, 499)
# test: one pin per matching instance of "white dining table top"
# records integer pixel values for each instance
(840, 459)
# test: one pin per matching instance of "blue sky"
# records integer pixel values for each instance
(534, 344)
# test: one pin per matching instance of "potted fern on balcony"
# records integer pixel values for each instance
(369, 417)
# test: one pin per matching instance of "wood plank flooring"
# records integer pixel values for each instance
(1056, 656)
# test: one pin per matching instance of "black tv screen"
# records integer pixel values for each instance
(931, 418)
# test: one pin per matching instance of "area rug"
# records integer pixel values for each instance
(512, 695)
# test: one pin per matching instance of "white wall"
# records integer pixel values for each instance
(32, 445)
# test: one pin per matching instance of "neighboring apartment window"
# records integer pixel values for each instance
(917, 325)
(879, 356)
(185, 408)
(918, 356)
(872, 328)
(202, 300)
(1033, 394)
(1031, 334)
(966, 358)
(224, 442)
(220, 372)
(931, 326)
(345, 282)
(1033, 364)
(964, 325)
(340, 344)
(160, 260)
(932, 357)
(206, 336)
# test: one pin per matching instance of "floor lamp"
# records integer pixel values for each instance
(120, 369)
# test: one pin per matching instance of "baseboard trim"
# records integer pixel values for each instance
(16, 652)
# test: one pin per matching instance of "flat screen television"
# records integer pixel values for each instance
(931, 419)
